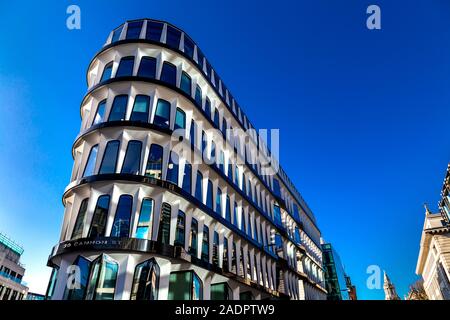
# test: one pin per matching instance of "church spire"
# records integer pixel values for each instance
(389, 289)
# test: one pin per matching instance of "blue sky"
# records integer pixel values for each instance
(362, 114)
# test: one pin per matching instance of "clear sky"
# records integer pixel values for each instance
(363, 115)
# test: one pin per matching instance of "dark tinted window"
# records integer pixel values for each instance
(181, 225)
(186, 83)
(132, 159)
(198, 96)
(107, 72)
(145, 281)
(180, 119)
(172, 169)
(145, 216)
(162, 113)
(208, 108)
(164, 224)
(154, 30)
(110, 157)
(121, 224)
(209, 195)
(169, 73)
(188, 46)
(147, 68)
(125, 67)
(193, 237)
(98, 223)
(199, 187)
(119, 108)
(187, 178)
(90, 164)
(173, 37)
(116, 34)
(100, 114)
(134, 29)
(79, 223)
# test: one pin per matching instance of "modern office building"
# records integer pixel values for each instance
(171, 196)
(335, 277)
(434, 255)
(12, 286)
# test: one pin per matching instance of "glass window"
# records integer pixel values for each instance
(297, 235)
(219, 201)
(193, 237)
(193, 133)
(125, 67)
(228, 210)
(116, 34)
(208, 108)
(199, 187)
(215, 257)
(109, 161)
(277, 214)
(100, 114)
(222, 161)
(98, 223)
(246, 296)
(205, 244)
(172, 169)
(204, 144)
(169, 73)
(132, 160)
(76, 290)
(185, 286)
(147, 68)
(51, 284)
(134, 29)
(119, 108)
(107, 72)
(187, 178)
(145, 217)
(188, 46)
(213, 150)
(102, 280)
(154, 30)
(186, 83)
(164, 224)
(140, 108)
(224, 127)
(79, 223)
(216, 118)
(154, 163)
(90, 164)
(209, 195)
(198, 96)
(220, 291)
(181, 226)
(180, 119)
(121, 224)
(145, 281)
(173, 37)
(162, 114)
(200, 58)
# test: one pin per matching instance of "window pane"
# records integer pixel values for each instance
(180, 119)
(121, 225)
(228, 210)
(216, 118)
(181, 225)
(197, 290)
(164, 224)
(132, 160)
(220, 291)
(208, 108)
(173, 37)
(154, 30)
(134, 29)
(186, 83)
(187, 178)
(107, 72)
(180, 286)
(140, 108)
(78, 286)
(100, 114)
(125, 67)
(119, 108)
(145, 281)
(205, 244)
(90, 164)
(145, 217)
(110, 158)
(169, 73)
(154, 163)
(198, 96)
(162, 114)
(193, 133)
(193, 237)
(102, 280)
(188, 46)
(219, 201)
(99, 218)
(147, 68)
(209, 195)
(79, 223)
(172, 170)
(199, 187)
(116, 34)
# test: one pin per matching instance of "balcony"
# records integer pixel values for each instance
(15, 279)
